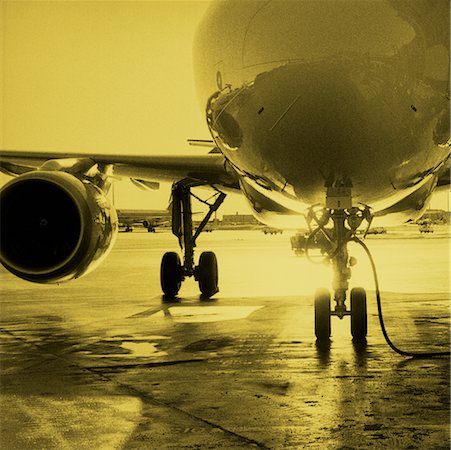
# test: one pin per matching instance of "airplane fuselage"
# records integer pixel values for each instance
(149, 219)
(300, 95)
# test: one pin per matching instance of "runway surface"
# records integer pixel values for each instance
(104, 362)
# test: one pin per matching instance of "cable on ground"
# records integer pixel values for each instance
(381, 319)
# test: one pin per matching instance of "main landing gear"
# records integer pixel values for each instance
(173, 271)
(332, 243)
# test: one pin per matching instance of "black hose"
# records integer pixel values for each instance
(381, 319)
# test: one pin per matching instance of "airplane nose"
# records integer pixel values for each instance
(311, 31)
(331, 91)
(316, 118)
(330, 83)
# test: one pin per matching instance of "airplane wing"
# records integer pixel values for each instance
(204, 169)
(59, 226)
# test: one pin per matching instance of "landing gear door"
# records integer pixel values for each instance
(176, 206)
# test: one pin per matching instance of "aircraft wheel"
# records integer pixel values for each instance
(358, 314)
(207, 274)
(171, 274)
(322, 314)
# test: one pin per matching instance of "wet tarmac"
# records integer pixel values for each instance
(104, 362)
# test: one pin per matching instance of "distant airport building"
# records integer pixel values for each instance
(239, 219)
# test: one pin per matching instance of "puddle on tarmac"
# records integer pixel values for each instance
(120, 348)
(196, 314)
(142, 349)
(134, 338)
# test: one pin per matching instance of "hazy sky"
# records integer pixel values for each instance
(110, 77)
(101, 77)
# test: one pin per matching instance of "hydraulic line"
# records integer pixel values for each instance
(381, 319)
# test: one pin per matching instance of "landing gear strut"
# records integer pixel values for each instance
(332, 242)
(173, 271)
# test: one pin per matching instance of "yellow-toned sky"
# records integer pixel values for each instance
(100, 76)
(110, 77)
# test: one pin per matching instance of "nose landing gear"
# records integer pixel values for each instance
(332, 243)
(173, 271)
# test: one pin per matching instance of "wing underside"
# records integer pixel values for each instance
(210, 169)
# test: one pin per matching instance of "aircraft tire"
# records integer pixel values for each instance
(171, 274)
(322, 314)
(207, 274)
(359, 320)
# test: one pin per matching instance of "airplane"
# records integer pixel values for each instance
(150, 219)
(336, 113)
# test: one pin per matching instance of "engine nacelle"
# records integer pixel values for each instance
(54, 227)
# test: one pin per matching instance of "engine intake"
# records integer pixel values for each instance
(54, 227)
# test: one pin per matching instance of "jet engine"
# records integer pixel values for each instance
(54, 226)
